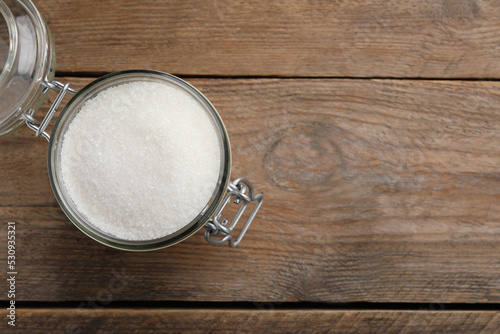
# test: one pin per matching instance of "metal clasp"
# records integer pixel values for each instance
(219, 226)
(32, 123)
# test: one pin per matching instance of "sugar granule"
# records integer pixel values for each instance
(141, 160)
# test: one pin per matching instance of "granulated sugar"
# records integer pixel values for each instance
(141, 160)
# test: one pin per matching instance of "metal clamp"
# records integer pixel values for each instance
(32, 123)
(219, 226)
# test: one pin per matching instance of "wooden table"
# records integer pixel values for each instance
(373, 129)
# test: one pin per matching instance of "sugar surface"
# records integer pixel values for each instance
(140, 160)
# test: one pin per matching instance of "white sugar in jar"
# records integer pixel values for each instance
(141, 160)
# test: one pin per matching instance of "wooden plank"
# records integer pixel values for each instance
(376, 190)
(254, 321)
(373, 38)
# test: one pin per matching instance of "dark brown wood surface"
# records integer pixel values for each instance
(378, 192)
(244, 321)
(366, 182)
(371, 38)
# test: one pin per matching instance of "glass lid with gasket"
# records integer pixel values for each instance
(27, 59)
(138, 160)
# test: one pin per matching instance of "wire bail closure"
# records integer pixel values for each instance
(219, 226)
(32, 123)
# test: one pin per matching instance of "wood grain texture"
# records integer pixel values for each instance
(376, 190)
(255, 321)
(373, 38)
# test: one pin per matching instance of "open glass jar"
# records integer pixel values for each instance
(28, 59)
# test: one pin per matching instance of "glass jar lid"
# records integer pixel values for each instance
(27, 60)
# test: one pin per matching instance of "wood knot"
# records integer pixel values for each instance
(302, 157)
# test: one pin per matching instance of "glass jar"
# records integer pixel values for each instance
(27, 76)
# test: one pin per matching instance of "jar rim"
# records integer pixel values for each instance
(70, 111)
